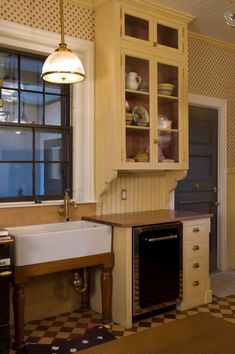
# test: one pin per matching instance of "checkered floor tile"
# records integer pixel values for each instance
(70, 325)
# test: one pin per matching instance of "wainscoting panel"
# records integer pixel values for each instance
(143, 192)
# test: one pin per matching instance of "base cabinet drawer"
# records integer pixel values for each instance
(197, 249)
(196, 268)
(195, 232)
(194, 287)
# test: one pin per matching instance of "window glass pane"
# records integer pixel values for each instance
(16, 144)
(31, 108)
(50, 178)
(30, 74)
(53, 109)
(50, 146)
(16, 179)
(53, 88)
(9, 111)
(9, 69)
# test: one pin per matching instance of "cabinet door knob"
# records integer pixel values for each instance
(196, 265)
(196, 283)
(196, 248)
(196, 229)
(155, 141)
(154, 44)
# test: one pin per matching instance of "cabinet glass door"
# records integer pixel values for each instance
(137, 29)
(137, 110)
(168, 36)
(168, 113)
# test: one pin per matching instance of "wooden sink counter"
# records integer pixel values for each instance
(146, 217)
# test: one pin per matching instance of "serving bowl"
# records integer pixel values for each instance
(165, 89)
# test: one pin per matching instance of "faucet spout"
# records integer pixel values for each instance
(64, 210)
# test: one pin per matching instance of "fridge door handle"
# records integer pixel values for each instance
(5, 273)
(164, 238)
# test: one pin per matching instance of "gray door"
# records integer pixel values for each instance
(198, 191)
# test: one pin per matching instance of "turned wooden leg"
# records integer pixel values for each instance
(106, 293)
(18, 308)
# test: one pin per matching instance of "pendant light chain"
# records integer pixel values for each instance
(62, 21)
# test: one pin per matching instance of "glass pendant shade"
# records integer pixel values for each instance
(63, 66)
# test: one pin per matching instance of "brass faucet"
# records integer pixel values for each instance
(64, 210)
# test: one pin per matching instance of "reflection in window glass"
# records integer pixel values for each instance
(9, 70)
(30, 74)
(16, 179)
(53, 109)
(9, 111)
(50, 146)
(31, 108)
(50, 178)
(16, 144)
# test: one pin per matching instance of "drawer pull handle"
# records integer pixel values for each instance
(196, 283)
(196, 265)
(196, 248)
(196, 229)
(5, 274)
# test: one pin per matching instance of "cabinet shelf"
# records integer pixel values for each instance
(168, 130)
(140, 92)
(137, 127)
(167, 97)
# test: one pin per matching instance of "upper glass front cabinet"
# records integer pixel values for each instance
(152, 31)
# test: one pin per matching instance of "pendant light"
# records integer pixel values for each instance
(63, 66)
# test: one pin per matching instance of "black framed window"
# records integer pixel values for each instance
(35, 131)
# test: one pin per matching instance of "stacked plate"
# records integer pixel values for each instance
(165, 89)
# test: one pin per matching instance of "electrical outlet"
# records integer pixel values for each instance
(124, 194)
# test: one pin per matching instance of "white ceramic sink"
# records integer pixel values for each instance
(51, 242)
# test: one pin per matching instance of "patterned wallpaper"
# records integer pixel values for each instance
(212, 73)
(45, 14)
(211, 68)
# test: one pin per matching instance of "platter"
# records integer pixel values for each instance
(140, 116)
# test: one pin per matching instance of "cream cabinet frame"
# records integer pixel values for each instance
(111, 42)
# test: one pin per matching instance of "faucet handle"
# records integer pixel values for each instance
(66, 192)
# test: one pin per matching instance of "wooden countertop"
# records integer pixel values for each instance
(146, 217)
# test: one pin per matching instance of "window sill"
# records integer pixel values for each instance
(42, 204)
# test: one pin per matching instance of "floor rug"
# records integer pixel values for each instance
(93, 336)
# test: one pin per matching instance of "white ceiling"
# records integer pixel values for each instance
(209, 17)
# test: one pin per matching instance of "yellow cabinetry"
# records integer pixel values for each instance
(141, 89)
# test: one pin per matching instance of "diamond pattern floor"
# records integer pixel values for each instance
(70, 325)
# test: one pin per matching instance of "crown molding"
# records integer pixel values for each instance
(150, 5)
(209, 40)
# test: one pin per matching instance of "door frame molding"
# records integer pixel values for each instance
(221, 106)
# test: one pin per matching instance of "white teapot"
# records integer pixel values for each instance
(132, 80)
